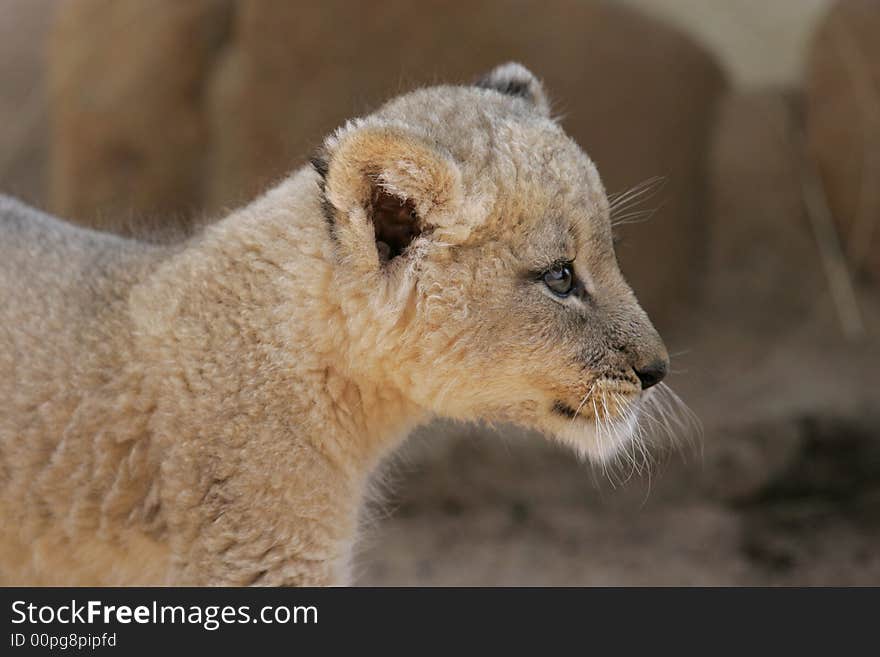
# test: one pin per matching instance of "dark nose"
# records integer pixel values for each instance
(651, 375)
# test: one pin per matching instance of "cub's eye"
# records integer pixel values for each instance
(560, 280)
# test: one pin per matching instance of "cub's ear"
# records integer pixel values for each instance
(384, 186)
(516, 80)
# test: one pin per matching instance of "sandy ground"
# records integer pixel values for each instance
(782, 488)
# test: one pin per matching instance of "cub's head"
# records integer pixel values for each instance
(476, 269)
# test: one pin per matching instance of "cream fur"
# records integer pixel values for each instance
(210, 412)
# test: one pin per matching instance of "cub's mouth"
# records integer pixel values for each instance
(563, 409)
(613, 422)
(606, 401)
(604, 424)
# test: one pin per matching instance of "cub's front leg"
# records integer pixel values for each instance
(261, 515)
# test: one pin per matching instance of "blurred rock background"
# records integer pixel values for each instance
(758, 256)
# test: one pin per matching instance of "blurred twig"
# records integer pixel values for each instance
(831, 253)
(867, 99)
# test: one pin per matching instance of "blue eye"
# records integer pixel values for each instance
(559, 280)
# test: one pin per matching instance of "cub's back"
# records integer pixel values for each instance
(64, 293)
(59, 284)
(46, 263)
(64, 336)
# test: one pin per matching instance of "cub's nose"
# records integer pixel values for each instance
(651, 375)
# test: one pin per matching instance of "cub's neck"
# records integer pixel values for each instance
(257, 298)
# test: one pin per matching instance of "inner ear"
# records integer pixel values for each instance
(395, 223)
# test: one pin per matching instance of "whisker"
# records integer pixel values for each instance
(600, 440)
(583, 401)
(678, 422)
(633, 217)
(642, 190)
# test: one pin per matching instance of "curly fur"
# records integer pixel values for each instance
(210, 412)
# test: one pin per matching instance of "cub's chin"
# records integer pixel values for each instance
(598, 431)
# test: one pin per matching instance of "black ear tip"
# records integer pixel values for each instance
(514, 79)
(319, 164)
(510, 87)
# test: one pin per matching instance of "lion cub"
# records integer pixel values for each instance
(210, 412)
